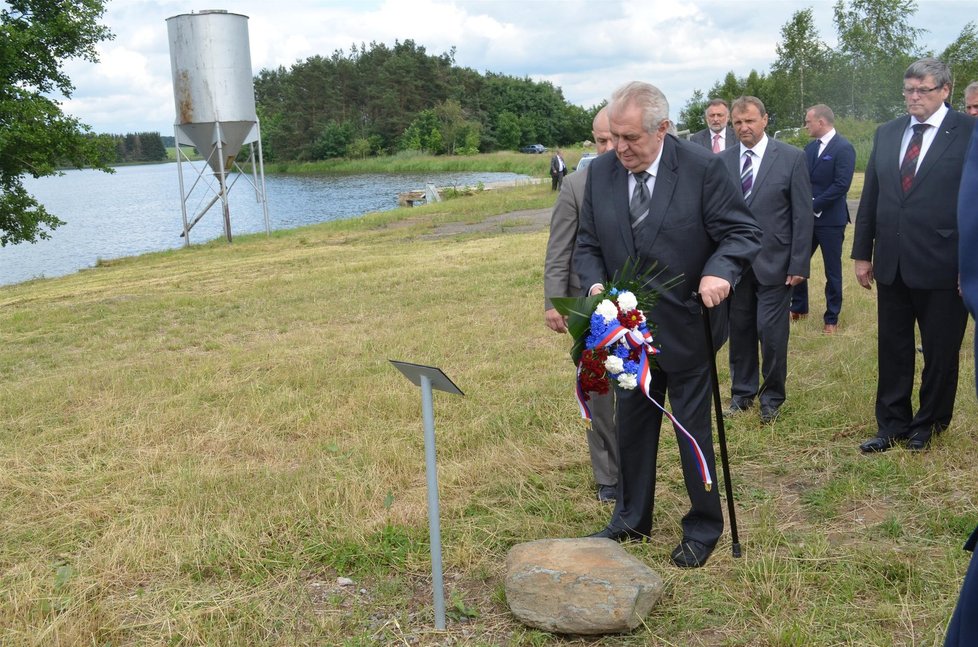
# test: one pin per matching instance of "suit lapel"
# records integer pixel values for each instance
(946, 133)
(665, 184)
(619, 201)
(888, 155)
(770, 159)
(811, 151)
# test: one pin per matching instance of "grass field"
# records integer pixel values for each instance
(196, 444)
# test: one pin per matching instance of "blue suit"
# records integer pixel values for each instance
(831, 174)
(963, 629)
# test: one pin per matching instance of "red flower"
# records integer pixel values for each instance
(630, 319)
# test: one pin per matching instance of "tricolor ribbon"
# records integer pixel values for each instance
(637, 339)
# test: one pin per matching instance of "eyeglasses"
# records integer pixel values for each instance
(909, 92)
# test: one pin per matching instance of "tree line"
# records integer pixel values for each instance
(381, 100)
(859, 78)
(135, 147)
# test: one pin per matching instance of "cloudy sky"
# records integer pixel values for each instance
(585, 47)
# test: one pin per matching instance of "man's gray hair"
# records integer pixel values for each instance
(971, 89)
(822, 111)
(740, 104)
(648, 98)
(716, 102)
(929, 67)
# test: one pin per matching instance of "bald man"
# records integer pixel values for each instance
(559, 280)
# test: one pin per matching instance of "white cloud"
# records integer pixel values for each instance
(586, 48)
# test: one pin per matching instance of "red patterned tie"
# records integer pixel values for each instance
(909, 166)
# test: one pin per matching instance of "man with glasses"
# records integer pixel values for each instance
(906, 240)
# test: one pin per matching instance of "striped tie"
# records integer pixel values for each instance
(747, 174)
(909, 167)
(638, 208)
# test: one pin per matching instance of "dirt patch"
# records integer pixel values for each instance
(525, 221)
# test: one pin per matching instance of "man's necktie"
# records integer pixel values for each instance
(821, 148)
(638, 208)
(909, 166)
(747, 174)
(716, 143)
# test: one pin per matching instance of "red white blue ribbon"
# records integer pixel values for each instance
(636, 339)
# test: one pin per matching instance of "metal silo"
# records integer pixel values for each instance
(214, 97)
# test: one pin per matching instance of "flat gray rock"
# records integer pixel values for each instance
(579, 586)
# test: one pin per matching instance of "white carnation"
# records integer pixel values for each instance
(627, 381)
(627, 301)
(607, 310)
(614, 364)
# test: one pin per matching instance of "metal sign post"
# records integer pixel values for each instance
(428, 378)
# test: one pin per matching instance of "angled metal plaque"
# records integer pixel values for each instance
(438, 379)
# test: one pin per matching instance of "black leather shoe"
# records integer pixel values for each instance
(691, 554)
(607, 493)
(917, 445)
(737, 406)
(617, 534)
(876, 444)
(769, 414)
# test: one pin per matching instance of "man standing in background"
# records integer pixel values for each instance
(774, 179)
(560, 280)
(831, 162)
(557, 170)
(906, 239)
(971, 99)
(717, 136)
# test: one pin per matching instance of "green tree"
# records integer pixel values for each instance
(801, 55)
(508, 130)
(962, 57)
(692, 116)
(876, 44)
(36, 137)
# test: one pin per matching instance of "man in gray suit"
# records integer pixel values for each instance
(906, 239)
(663, 201)
(718, 135)
(559, 280)
(775, 183)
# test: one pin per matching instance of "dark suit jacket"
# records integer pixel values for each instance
(917, 233)
(705, 138)
(968, 226)
(697, 225)
(831, 175)
(781, 200)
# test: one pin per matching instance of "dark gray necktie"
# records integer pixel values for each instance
(638, 208)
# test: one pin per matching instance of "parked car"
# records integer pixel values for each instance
(585, 160)
(534, 148)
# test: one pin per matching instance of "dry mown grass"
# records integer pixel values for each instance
(195, 445)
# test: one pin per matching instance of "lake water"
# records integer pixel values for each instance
(137, 210)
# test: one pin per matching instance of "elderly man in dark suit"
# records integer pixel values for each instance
(665, 201)
(560, 280)
(718, 135)
(906, 239)
(774, 179)
(831, 162)
(963, 628)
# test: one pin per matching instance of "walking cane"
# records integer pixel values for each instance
(721, 432)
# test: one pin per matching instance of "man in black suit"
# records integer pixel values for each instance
(831, 162)
(717, 136)
(657, 199)
(774, 179)
(906, 239)
(557, 170)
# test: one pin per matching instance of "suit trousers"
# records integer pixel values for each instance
(639, 423)
(962, 631)
(942, 319)
(829, 239)
(602, 439)
(759, 315)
